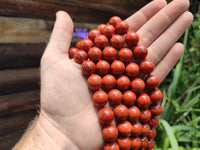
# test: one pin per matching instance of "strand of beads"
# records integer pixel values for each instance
(124, 90)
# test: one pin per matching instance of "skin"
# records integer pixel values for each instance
(68, 119)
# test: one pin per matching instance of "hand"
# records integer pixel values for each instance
(66, 104)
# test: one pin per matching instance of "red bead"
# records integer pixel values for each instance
(111, 146)
(114, 20)
(156, 96)
(145, 129)
(105, 116)
(136, 143)
(94, 53)
(100, 98)
(121, 112)
(110, 133)
(101, 27)
(94, 82)
(101, 41)
(122, 27)
(72, 51)
(124, 128)
(156, 109)
(93, 33)
(115, 96)
(102, 67)
(88, 67)
(152, 82)
(150, 145)
(125, 55)
(117, 41)
(78, 44)
(134, 113)
(80, 56)
(143, 100)
(85, 44)
(140, 52)
(131, 39)
(145, 115)
(129, 98)
(132, 70)
(123, 83)
(153, 122)
(136, 129)
(124, 143)
(109, 81)
(137, 85)
(144, 142)
(109, 53)
(152, 133)
(117, 67)
(108, 31)
(146, 66)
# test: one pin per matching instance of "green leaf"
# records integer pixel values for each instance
(192, 102)
(184, 127)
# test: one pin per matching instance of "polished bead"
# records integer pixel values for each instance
(136, 143)
(144, 142)
(72, 51)
(122, 27)
(94, 53)
(105, 116)
(145, 115)
(143, 100)
(140, 52)
(131, 39)
(153, 122)
(121, 112)
(136, 129)
(125, 55)
(111, 146)
(80, 56)
(109, 81)
(108, 31)
(115, 96)
(78, 44)
(124, 143)
(129, 98)
(152, 82)
(101, 27)
(156, 96)
(114, 20)
(146, 66)
(117, 41)
(85, 44)
(93, 33)
(124, 128)
(109, 53)
(134, 113)
(145, 129)
(117, 67)
(101, 41)
(152, 133)
(100, 98)
(132, 70)
(156, 109)
(88, 67)
(123, 83)
(94, 82)
(102, 67)
(150, 145)
(110, 133)
(137, 85)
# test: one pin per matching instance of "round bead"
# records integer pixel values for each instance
(117, 41)
(156, 96)
(102, 67)
(101, 41)
(72, 51)
(111, 146)
(125, 55)
(117, 67)
(129, 98)
(136, 129)
(137, 85)
(124, 143)
(94, 82)
(150, 145)
(78, 44)
(153, 122)
(109, 53)
(131, 39)
(114, 20)
(140, 52)
(134, 113)
(146, 66)
(145, 115)
(115, 96)
(109, 81)
(94, 53)
(144, 142)
(136, 143)
(121, 112)
(152, 82)
(101, 27)
(105, 116)
(122, 27)
(110, 133)
(123, 83)
(100, 98)
(108, 31)
(156, 109)
(124, 128)
(143, 100)
(85, 44)
(145, 129)
(88, 67)
(132, 70)
(93, 33)
(80, 56)
(152, 133)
